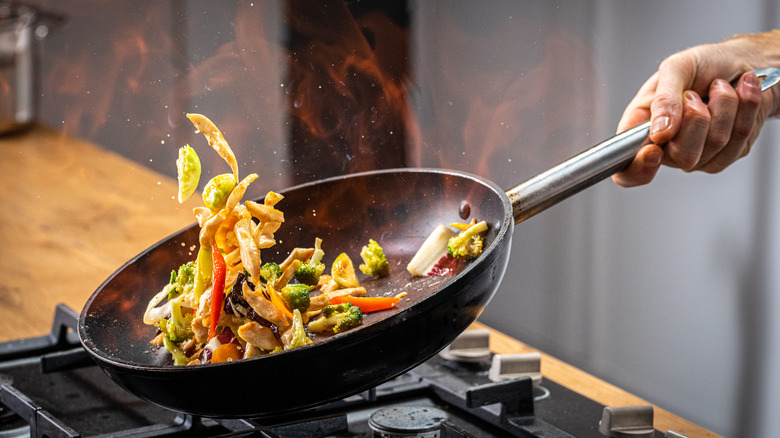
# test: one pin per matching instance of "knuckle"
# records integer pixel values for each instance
(678, 62)
(700, 118)
(664, 103)
(717, 139)
(683, 158)
(741, 131)
(721, 93)
(712, 167)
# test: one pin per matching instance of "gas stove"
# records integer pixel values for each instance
(49, 387)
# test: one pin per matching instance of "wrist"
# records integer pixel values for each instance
(754, 51)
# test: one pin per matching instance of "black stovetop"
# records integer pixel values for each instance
(50, 387)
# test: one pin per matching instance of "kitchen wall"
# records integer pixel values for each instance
(667, 290)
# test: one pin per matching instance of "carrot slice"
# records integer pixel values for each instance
(278, 303)
(226, 352)
(367, 304)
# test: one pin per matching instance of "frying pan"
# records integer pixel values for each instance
(398, 208)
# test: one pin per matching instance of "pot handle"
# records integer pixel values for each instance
(591, 166)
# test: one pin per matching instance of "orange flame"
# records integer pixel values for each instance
(346, 98)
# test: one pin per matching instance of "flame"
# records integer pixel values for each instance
(305, 90)
(347, 99)
(507, 97)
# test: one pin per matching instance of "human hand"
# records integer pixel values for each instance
(688, 133)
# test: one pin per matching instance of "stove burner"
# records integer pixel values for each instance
(12, 425)
(407, 421)
(49, 387)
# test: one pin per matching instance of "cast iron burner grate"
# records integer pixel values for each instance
(50, 387)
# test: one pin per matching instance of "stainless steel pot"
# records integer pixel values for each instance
(20, 28)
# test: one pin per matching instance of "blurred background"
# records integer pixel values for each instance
(669, 291)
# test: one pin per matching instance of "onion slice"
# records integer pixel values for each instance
(154, 313)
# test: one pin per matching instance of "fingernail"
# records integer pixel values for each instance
(692, 96)
(660, 123)
(752, 80)
(653, 159)
(721, 83)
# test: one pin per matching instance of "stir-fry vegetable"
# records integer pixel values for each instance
(218, 291)
(445, 252)
(374, 260)
(468, 244)
(343, 271)
(337, 318)
(217, 191)
(309, 272)
(227, 303)
(299, 336)
(296, 296)
(367, 304)
(188, 166)
(433, 249)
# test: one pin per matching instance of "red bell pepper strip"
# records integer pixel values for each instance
(218, 291)
(367, 304)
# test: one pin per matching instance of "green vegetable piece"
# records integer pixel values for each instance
(270, 272)
(469, 243)
(300, 338)
(296, 296)
(186, 274)
(178, 327)
(339, 317)
(309, 272)
(343, 271)
(182, 280)
(217, 191)
(374, 260)
(204, 268)
(188, 167)
(179, 358)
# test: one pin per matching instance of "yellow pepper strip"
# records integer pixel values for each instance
(463, 225)
(221, 235)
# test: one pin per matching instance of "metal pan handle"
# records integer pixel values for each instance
(591, 166)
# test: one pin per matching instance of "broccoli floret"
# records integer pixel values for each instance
(469, 243)
(270, 272)
(339, 317)
(299, 338)
(309, 272)
(179, 358)
(178, 327)
(296, 296)
(182, 280)
(374, 260)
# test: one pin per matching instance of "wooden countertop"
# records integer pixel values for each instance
(73, 213)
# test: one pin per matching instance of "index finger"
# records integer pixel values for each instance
(638, 110)
(675, 75)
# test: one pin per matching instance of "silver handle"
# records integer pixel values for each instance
(591, 166)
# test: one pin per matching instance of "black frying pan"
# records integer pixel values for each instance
(399, 208)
